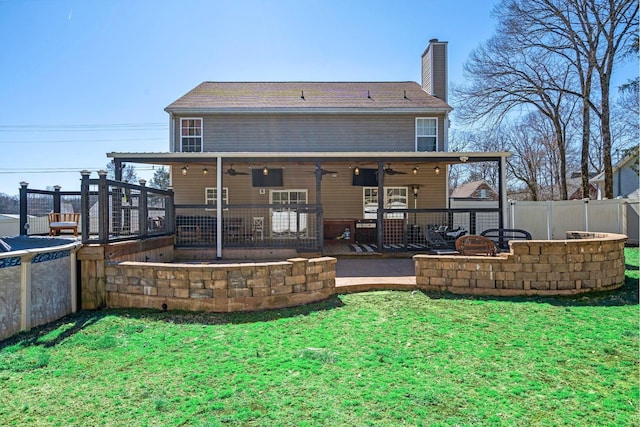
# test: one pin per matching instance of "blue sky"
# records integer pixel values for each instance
(83, 78)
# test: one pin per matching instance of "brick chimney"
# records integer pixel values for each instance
(435, 80)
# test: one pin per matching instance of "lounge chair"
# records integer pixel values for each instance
(437, 244)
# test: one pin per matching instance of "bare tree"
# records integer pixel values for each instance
(508, 77)
(591, 36)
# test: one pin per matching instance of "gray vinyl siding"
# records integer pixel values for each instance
(314, 133)
(434, 70)
(340, 199)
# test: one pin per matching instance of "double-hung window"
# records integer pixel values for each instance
(191, 135)
(426, 134)
(395, 198)
(211, 197)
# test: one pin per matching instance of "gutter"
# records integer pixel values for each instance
(311, 110)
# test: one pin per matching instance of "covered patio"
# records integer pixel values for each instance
(316, 202)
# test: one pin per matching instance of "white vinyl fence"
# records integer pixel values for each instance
(552, 219)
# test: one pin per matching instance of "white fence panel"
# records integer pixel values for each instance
(552, 219)
(530, 216)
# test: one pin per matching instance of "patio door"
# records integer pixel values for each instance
(287, 221)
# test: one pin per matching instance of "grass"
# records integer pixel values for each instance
(370, 359)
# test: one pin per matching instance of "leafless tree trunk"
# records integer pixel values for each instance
(507, 76)
(546, 48)
(591, 36)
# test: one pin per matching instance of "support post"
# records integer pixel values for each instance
(84, 206)
(320, 213)
(57, 202)
(24, 227)
(103, 211)
(502, 183)
(219, 208)
(380, 216)
(143, 216)
(73, 292)
(25, 292)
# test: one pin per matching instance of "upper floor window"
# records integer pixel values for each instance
(190, 135)
(426, 134)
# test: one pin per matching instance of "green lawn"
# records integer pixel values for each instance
(376, 358)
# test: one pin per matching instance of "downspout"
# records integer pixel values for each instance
(219, 208)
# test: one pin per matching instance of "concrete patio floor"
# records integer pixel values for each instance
(359, 274)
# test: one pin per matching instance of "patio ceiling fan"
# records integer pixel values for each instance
(325, 172)
(232, 172)
(390, 171)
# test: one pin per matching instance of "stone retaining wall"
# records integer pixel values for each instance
(584, 262)
(219, 287)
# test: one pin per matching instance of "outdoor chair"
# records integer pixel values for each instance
(475, 245)
(63, 221)
(435, 242)
(501, 236)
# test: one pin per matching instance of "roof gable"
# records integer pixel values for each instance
(239, 96)
(469, 189)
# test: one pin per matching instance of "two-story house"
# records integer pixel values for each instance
(304, 164)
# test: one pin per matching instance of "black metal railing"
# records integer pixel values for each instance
(35, 206)
(415, 229)
(252, 226)
(113, 210)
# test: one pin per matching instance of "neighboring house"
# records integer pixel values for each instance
(574, 187)
(475, 191)
(294, 161)
(625, 178)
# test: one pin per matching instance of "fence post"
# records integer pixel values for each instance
(84, 205)
(549, 220)
(586, 214)
(512, 212)
(56, 198)
(24, 227)
(621, 218)
(142, 209)
(103, 211)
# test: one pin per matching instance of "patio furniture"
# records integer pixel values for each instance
(435, 241)
(501, 236)
(258, 227)
(475, 245)
(63, 221)
(191, 229)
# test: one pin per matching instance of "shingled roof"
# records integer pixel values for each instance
(241, 96)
